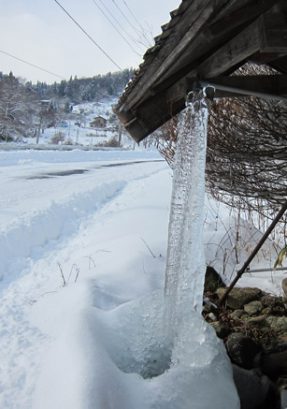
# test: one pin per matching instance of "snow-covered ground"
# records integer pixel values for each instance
(82, 232)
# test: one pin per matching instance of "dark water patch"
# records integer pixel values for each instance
(50, 175)
(72, 172)
(39, 177)
(113, 165)
(67, 172)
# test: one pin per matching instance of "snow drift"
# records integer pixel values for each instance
(121, 359)
(28, 238)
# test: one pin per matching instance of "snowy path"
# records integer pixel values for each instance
(89, 224)
(37, 211)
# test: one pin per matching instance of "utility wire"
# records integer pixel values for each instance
(133, 15)
(31, 64)
(148, 41)
(118, 22)
(88, 35)
(125, 17)
(115, 27)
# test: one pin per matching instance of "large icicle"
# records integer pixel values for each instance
(185, 270)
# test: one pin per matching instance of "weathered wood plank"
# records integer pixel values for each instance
(231, 7)
(274, 37)
(242, 13)
(280, 64)
(193, 19)
(212, 37)
(243, 9)
(236, 51)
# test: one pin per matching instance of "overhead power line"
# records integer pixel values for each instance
(133, 15)
(106, 15)
(88, 35)
(147, 38)
(143, 38)
(119, 23)
(31, 64)
(125, 17)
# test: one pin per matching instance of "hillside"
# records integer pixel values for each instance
(42, 113)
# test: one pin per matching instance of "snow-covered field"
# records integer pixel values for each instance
(81, 231)
(75, 128)
(96, 226)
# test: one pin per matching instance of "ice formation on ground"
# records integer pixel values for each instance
(123, 360)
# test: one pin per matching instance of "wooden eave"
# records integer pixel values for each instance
(205, 42)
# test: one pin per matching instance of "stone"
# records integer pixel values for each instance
(277, 324)
(260, 320)
(222, 330)
(211, 316)
(274, 365)
(242, 350)
(278, 310)
(220, 292)
(282, 382)
(212, 280)
(254, 390)
(284, 398)
(236, 314)
(284, 286)
(266, 311)
(238, 297)
(270, 301)
(209, 306)
(253, 307)
(280, 346)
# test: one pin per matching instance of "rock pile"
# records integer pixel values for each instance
(253, 326)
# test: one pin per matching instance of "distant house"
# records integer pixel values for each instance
(98, 122)
(63, 124)
(46, 104)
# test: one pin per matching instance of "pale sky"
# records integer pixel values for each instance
(39, 32)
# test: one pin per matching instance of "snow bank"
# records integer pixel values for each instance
(29, 238)
(121, 359)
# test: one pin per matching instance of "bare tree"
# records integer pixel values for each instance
(17, 108)
(247, 150)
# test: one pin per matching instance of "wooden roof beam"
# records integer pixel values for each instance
(263, 36)
(274, 35)
(214, 34)
(236, 51)
(157, 110)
